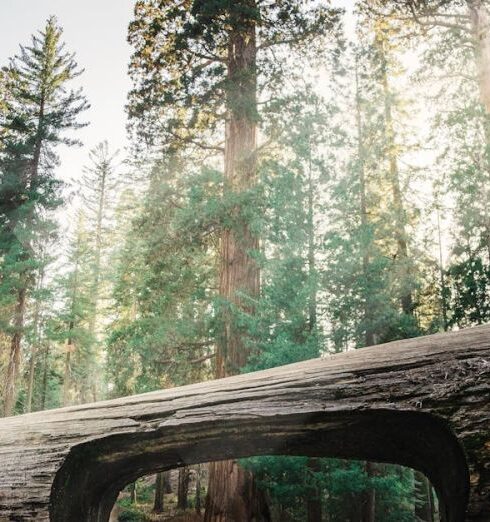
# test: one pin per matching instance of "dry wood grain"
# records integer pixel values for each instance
(422, 402)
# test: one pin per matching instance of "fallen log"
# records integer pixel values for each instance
(422, 403)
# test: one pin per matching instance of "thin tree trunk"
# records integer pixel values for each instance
(13, 369)
(312, 302)
(442, 278)
(361, 156)
(159, 492)
(197, 502)
(69, 345)
(183, 488)
(67, 370)
(167, 483)
(45, 378)
(97, 267)
(38, 142)
(133, 493)
(369, 503)
(314, 498)
(232, 493)
(34, 347)
(32, 362)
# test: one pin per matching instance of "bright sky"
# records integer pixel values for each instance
(96, 31)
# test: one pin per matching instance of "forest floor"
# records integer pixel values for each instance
(142, 511)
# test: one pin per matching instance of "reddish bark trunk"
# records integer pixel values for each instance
(239, 274)
(232, 494)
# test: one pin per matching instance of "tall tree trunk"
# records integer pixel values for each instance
(13, 369)
(69, 345)
(44, 387)
(32, 362)
(314, 499)
(34, 347)
(442, 278)
(167, 482)
(69, 348)
(406, 299)
(361, 158)
(92, 386)
(10, 388)
(159, 492)
(312, 301)
(197, 502)
(232, 493)
(369, 501)
(239, 273)
(183, 488)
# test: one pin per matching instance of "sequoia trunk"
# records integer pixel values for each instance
(232, 495)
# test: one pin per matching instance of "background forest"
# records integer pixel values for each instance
(302, 180)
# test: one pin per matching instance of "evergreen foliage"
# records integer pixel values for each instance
(347, 170)
(38, 110)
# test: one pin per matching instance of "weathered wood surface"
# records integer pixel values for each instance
(423, 403)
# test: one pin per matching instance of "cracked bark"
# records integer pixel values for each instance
(421, 403)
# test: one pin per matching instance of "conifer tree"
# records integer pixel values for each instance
(73, 328)
(204, 62)
(98, 188)
(40, 108)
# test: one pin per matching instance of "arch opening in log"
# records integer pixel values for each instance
(87, 485)
(422, 403)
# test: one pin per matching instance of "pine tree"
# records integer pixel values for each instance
(98, 188)
(39, 111)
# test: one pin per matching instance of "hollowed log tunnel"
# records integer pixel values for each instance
(423, 403)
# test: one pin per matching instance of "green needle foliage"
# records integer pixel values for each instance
(38, 110)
